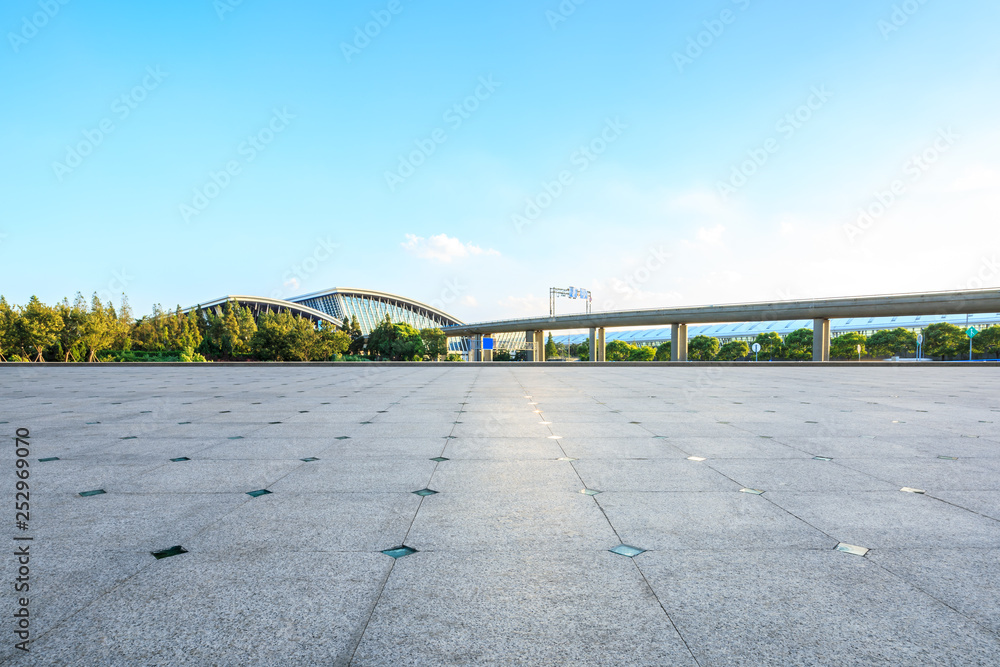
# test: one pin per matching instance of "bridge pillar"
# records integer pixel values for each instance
(678, 342)
(597, 344)
(821, 340)
(537, 340)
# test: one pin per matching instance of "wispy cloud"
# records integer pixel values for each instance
(442, 248)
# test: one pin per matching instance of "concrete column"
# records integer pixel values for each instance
(678, 342)
(821, 340)
(476, 347)
(593, 344)
(539, 345)
(600, 345)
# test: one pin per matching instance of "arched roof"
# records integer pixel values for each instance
(395, 299)
(260, 304)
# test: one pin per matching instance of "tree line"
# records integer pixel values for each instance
(93, 331)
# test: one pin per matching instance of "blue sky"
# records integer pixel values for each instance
(472, 155)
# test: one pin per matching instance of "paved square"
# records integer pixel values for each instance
(513, 562)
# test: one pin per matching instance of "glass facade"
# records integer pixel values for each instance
(371, 308)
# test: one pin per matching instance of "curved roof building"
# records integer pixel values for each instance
(263, 304)
(371, 307)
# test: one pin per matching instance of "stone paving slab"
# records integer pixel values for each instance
(508, 562)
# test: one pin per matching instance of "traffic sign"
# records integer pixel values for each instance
(920, 339)
(971, 332)
(487, 343)
(755, 347)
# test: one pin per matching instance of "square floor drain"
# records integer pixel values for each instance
(450, 437)
(755, 492)
(95, 492)
(183, 422)
(567, 458)
(555, 437)
(589, 492)
(167, 553)
(851, 549)
(179, 459)
(400, 551)
(222, 412)
(822, 458)
(309, 459)
(635, 422)
(439, 459)
(907, 489)
(424, 492)
(88, 423)
(948, 458)
(51, 458)
(273, 422)
(129, 437)
(236, 437)
(695, 458)
(258, 492)
(627, 550)
(364, 422)
(343, 437)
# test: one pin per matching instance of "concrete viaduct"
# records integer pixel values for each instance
(821, 311)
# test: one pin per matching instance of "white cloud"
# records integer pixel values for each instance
(442, 248)
(469, 300)
(710, 236)
(292, 283)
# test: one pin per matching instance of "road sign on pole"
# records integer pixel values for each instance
(756, 349)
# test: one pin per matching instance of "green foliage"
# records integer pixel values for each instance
(663, 351)
(583, 350)
(395, 341)
(642, 353)
(283, 337)
(799, 345)
(436, 342)
(454, 356)
(703, 348)
(897, 342)
(617, 350)
(8, 318)
(988, 341)
(37, 328)
(188, 355)
(845, 346)
(551, 350)
(734, 350)
(771, 345)
(502, 355)
(943, 339)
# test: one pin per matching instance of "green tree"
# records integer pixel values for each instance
(583, 350)
(407, 343)
(642, 353)
(39, 327)
(663, 351)
(380, 339)
(845, 346)
(799, 344)
(273, 339)
(617, 350)
(551, 351)
(703, 348)
(71, 335)
(892, 342)
(353, 329)
(771, 345)
(98, 328)
(734, 350)
(943, 339)
(8, 329)
(502, 355)
(989, 341)
(436, 342)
